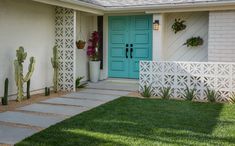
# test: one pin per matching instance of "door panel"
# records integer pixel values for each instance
(141, 38)
(118, 37)
(136, 31)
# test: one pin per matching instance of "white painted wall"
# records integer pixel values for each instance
(158, 38)
(221, 36)
(88, 22)
(29, 24)
(197, 25)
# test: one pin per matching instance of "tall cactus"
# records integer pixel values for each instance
(55, 65)
(19, 77)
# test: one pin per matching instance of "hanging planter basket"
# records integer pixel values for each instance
(80, 44)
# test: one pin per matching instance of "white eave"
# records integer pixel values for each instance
(161, 8)
(76, 6)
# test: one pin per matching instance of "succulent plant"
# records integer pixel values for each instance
(5, 97)
(20, 79)
(55, 65)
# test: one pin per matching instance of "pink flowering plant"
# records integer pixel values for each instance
(92, 49)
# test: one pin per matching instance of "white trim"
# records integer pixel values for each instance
(105, 47)
(74, 48)
(161, 8)
(73, 6)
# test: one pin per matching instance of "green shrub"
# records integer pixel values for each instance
(189, 94)
(147, 91)
(79, 84)
(165, 92)
(211, 95)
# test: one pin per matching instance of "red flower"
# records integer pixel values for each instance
(92, 44)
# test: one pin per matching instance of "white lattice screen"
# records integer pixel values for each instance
(65, 20)
(200, 75)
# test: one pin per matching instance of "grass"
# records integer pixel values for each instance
(131, 121)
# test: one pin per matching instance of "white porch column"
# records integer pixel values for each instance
(104, 72)
(158, 38)
(65, 36)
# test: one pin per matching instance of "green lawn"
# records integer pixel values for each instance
(133, 121)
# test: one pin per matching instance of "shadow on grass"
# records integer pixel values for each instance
(133, 121)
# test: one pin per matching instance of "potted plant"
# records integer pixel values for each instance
(93, 54)
(80, 44)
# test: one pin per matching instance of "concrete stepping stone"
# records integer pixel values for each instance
(29, 119)
(110, 92)
(12, 134)
(114, 86)
(75, 102)
(92, 96)
(54, 109)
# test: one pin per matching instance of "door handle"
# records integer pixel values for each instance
(131, 52)
(126, 52)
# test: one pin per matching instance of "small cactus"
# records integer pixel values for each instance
(47, 91)
(19, 77)
(55, 65)
(5, 97)
(28, 89)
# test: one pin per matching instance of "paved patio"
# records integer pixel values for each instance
(25, 121)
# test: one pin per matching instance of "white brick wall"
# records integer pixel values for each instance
(221, 40)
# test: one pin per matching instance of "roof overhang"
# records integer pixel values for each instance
(76, 6)
(163, 8)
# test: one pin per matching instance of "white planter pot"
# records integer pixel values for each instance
(94, 67)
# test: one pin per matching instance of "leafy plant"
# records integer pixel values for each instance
(147, 91)
(211, 95)
(178, 25)
(189, 94)
(79, 84)
(194, 42)
(232, 98)
(92, 49)
(165, 92)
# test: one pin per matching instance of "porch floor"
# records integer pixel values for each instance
(25, 121)
(115, 84)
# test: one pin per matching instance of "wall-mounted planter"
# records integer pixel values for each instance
(194, 42)
(178, 25)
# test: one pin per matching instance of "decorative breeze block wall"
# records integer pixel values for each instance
(199, 75)
(65, 20)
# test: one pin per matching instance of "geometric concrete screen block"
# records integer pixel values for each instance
(65, 22)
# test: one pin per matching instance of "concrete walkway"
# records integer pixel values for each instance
(25, 121)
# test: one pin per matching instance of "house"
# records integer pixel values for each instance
(128, 35)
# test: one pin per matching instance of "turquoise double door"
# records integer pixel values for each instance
(130, 40)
